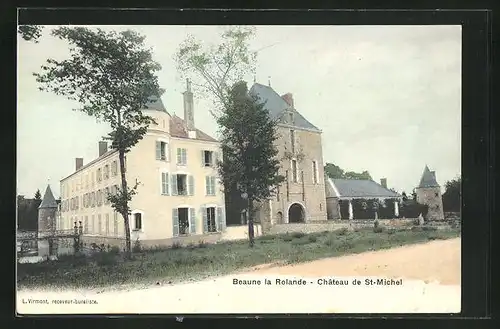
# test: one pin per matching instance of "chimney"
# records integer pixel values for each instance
(78, 163)
(288, 98)
(383, 182)
(188, 107)
(103, 148)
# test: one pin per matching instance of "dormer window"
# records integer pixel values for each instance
(290, 117)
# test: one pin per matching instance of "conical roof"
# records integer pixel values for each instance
(428, 179)
(48, 200)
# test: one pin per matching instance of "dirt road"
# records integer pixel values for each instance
(433, 261)
(429, 273)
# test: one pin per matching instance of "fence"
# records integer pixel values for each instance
(33, 246)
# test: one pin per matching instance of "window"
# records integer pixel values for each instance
(99, 175)
(290, 117)
(114, 168)
(86, 225)
(208, 158)
(315, 172)
(210, 185)
(92, 225)
(211, 223)
(106, 229)
(436, 194)
(292, 140)
(115, 223)
(183, 218)
(106, 171)
(181, 184)
(86, 181)
(99, 224)
(295, 172)
(93, 199)
(164, 183)
(99, 198)
(161, 151)
(106, 194)
(138, 221)
(181, 156)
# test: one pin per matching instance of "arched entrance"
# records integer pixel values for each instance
(279, 217)
(296, 213)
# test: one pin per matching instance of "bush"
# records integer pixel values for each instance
(298, 235)
(176, 245)
(137, 246)
(378, 229)
(342, 231)
(412, 209)
(312, 238)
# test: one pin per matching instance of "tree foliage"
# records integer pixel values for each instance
(214, 69)
(30, 32)
(250, 155)
(38, 195)
(112, 76)
(335, 172)
(452, 196)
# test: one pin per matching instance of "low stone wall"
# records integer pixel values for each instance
(338, 224)
(183, 240)
(240, 232)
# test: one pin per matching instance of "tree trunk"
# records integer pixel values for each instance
(251, 234)
(128, 246)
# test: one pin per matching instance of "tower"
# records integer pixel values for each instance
(46, 223)
(429, 193)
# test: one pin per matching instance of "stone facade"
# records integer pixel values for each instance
(431, 196)
(304, 189)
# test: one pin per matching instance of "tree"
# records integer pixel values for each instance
(112, 76)
(250, 155)
(335, 172)
(215, 69)
(405, 197)
(452, 196)
(38, 195)
(30, 32)
(414, 195)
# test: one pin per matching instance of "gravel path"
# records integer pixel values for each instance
(429, 277)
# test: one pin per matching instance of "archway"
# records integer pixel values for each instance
(296, 213)
(279, 217)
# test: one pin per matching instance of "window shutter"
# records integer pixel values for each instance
(207, 185)
(205, 219)
(192, 220)
(167, 151)
(175, 222)
(215, 159)
(174, 185)
(167, 191)
(202, 158)
(184, 157)
(212, 179)
(191, 185)
(179, 156)
(158, 150)
(220, 219)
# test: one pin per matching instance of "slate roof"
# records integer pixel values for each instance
(48, 200)
(155, 104)
(178, 129)
(277, 106)
(357, 188)
(428, 179)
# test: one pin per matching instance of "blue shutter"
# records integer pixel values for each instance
(175, 222)
(179, 156)
(205, 219)
(215, 159)
(191, 185)
(192, 221)
(174, 185)
(220, 218)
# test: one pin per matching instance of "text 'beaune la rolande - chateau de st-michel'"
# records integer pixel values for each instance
(320, 282)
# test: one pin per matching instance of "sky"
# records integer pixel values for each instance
(387, 98)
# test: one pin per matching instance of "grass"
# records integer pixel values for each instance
(198, 261)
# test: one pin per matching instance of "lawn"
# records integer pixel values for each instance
(200, 261)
